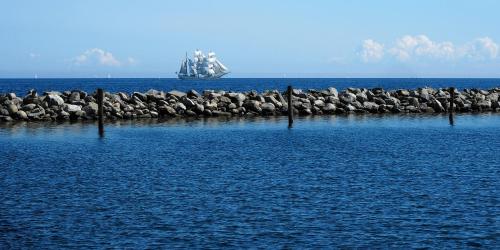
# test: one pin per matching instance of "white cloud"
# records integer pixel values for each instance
(372, 51)
(100, 56)
(408, 47)
(419, 47)
(481, 48)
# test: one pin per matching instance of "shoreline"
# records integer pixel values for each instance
(78, 105)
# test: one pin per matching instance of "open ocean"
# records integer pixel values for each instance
(345, 181)
(21, 86)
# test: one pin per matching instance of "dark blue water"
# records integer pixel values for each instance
(340, 181)
(21, 86)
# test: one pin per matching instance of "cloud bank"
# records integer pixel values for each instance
(372, 51)
(100, 57)
(420, 47)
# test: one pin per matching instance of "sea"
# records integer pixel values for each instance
(407, 181)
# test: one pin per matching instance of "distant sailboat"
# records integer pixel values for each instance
(202, 67)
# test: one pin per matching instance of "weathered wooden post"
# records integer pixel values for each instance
(452, 99)
(100, 110)
(290, 107)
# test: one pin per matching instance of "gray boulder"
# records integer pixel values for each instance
(21, 115)
(54, 100)
(371, 106)
(348, 97)
(91, 108)
(267, 107)
(180, 107)
(176, 93)
(12, 109)
(252, 105)
(329, 108)
(28, 107)
(319, 103)
(72, 108)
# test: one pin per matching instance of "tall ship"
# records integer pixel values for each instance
(202, 67)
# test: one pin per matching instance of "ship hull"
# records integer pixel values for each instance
(215, 77)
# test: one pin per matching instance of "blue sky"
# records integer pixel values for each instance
(253, 38)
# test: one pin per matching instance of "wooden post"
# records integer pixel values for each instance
(452, 99)
(100, 110)
(290, 107)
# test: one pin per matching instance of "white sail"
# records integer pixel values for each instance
(221, 65)
(201, 66)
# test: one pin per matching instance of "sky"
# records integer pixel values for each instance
(294, 38)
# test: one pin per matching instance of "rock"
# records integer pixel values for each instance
(167, 110)
(305, 111)
(180, 107)
(12, 109)
(28, 107)
(21, 115)
(91, 108)
(32, 93)
(54, 100)
(224, 99)
(347, 97)
(63, 114)
(267, 107)
(252, 105)
(190, 113)
(350, 107)
(329, 108)
(142, 97)
(485, 104)
(332, 99)
(187, 102)
(76, 115)
(361, 97)
(36, 115)
(75, 96)
(6, 118)
(319, 103)
(176, 93)
(273, 100)
(198, 108)
(232, 106)
(207, 112)
(123, 96)
(4, 112)
(11, 96)
(333, 92)
(392, 101)
(437, 106)
(371, 106)
(220, 113)
(211, 105)
(403, 92)
(193, 94)
(378, 100)
(237, 97)
(413, 101)
(72, 108)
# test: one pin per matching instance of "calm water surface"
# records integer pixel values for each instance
(344, 181)
(21, 86)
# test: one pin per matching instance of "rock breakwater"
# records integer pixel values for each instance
(80, 105)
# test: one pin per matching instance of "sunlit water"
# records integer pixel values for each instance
(367, 181)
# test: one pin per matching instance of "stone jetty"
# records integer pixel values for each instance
(80, 105)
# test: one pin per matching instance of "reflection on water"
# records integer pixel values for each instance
(390, 120)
